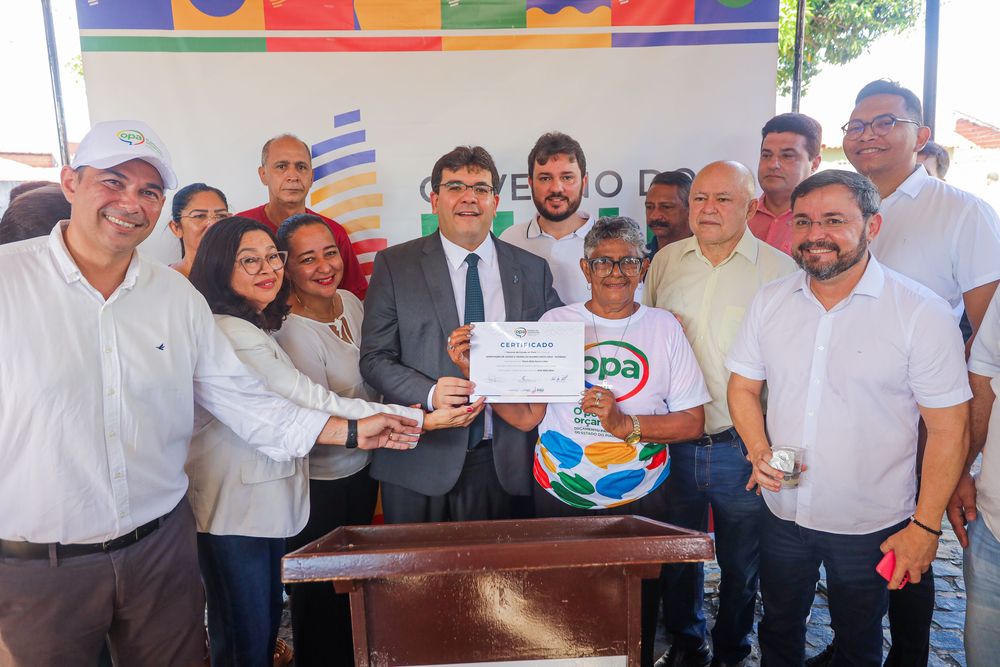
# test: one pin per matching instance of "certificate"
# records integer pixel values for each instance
(527, 362)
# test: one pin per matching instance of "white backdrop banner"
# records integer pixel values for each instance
(381, 88)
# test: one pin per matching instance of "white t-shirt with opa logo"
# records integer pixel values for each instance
(648, 364)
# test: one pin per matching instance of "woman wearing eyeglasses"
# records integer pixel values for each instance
(608, 455)
(246, 504)
(194, 209)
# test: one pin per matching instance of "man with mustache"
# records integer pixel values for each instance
(853, 354)
(936, 234)
(708, 281)
(286, 170)
(557, 174)
(789, 153)
(667, 208)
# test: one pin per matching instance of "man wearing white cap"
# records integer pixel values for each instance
(104, 353)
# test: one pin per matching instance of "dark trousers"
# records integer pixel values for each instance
(321, 617)
(242, 578)
(652, 506)
(146, 600)
(476, 496)
(911, 609)
(790, 558)
(714, 476)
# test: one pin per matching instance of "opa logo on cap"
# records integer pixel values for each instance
(131, 137)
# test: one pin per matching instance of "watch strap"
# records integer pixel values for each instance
(352, 434)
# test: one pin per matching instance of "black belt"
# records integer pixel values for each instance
(34, 551)
(728, 435)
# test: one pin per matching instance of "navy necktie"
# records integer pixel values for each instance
(475, 311)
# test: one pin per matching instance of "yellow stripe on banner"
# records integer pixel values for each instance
(511, 42)
(343, 185)
(353, 204)
(366, 222)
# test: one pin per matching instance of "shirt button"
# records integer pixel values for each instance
(820, 347)
(119, 475)
(107, 350)
(111, 392)
(121, 515)
(810, 413)
(111, 434)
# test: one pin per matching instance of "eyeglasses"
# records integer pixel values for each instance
(602, 267)
(253, 264)
(459, 188)
(829, 224)
(881, 126)
(204, 216)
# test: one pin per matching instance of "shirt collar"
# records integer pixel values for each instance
(762, 209)
(456, 254)
(871, 284)
(748, 246)
(534, 229)
(914, 183)
(67, 266)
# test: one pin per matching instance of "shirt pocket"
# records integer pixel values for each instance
(263, 469)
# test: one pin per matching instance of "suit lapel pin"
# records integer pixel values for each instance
(515, 278)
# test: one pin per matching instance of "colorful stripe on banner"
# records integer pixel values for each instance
(644, 39)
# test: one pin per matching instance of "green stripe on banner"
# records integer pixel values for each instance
(174, 44)
(604, 212)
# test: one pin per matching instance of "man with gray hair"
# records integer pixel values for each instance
(286, 170)
(836, 463)
(707, 281)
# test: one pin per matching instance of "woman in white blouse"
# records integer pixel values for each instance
(322, 338)
(246, 504)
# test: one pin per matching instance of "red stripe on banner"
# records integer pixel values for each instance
(352, 44)
(367, 267)
(369, 245)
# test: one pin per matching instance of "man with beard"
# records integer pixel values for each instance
(286, 170)
(708, 281)
(789, 153)
(853, 354)
(557, 174)
(667, 208)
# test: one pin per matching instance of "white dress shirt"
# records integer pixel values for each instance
(238, 491)
(332, 363)
(942, 237)
(562, 254)
(845, 385)
(985, 360)
(97, 408)
(489, 280)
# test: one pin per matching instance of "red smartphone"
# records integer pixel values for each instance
(887, 565)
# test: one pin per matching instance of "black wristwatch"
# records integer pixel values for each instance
(352, 434)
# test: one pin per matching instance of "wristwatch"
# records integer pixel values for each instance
(352, 434)
(633, 437)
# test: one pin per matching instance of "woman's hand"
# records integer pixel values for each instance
(388, 431)
(459, 417)
(601, 402)
(459, 343)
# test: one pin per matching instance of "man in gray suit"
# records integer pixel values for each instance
(420, 292)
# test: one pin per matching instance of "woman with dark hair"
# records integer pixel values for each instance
(34, 213)
(246, 504)
(195, 208)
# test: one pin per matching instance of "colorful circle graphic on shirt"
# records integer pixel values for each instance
(217, 8)
(618, 364)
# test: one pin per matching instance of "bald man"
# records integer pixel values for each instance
(708, 280)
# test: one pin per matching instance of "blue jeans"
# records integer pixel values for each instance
(716, 476)
(242, 578)
(790, 557)
(982, 585)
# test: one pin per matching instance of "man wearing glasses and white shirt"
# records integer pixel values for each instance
(105, 353)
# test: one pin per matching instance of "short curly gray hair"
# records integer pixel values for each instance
(615, 227)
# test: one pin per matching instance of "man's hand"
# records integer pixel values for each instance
(962, 507)
(763, 475)
(452, 392)
(915, 550)
(388, 431)
(459, 417)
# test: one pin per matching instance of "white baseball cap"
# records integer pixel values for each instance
(113, 142)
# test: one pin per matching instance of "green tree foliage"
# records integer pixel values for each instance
(837, 31)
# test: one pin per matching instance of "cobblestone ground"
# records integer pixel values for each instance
(949, 613)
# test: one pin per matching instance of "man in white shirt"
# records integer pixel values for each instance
(708, 281)
(420, 292)
(942, 237)
(977, 501)
(557, 174)
(104, 355)
(853, 355)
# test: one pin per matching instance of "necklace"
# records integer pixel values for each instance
(618, 348)
(335, 321)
